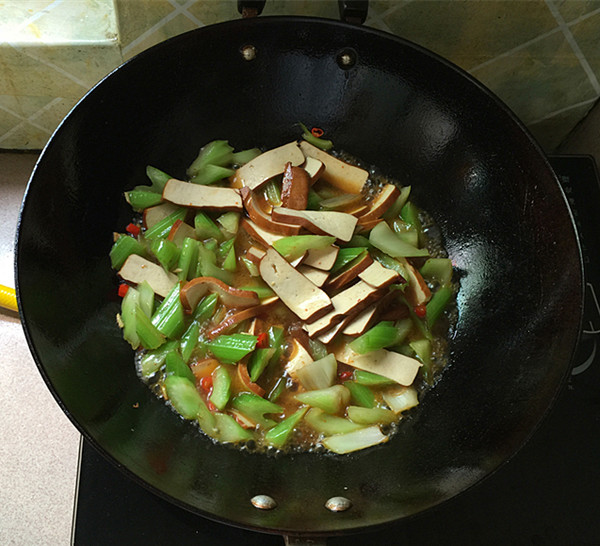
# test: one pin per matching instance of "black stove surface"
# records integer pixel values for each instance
(549, 493)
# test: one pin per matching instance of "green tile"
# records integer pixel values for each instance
(138, 16)
(24, 137)
(586, 34)
(539, 79)
(572, 9)
(7, 122)
(215, 12)
(468, 32)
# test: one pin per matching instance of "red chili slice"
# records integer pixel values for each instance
(133, 229)
(263, 341)
(346, 375)
(421, 310)
(206, 383)
(317, 132)
(123, 290)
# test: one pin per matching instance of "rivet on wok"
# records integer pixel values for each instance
(248, 52)
(263, 502)
(346, 58)
(338, 504)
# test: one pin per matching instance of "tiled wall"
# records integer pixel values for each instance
(542, 57)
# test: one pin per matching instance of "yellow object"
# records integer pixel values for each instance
(8, 298)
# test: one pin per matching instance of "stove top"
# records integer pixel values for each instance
(549, 493)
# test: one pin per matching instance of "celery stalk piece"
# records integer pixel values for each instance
(169, 318)
(250, 266)
(437, 304)
(230, 223)
(224, 248)
(360, 394)
(255, 408)
(217, 152)
(221, 387)
(345, 256)
(150, 336)
(205, 227)
(438, 270)
(229, 431)
(276, 342)
(390, 263)
(317, 349)
(277, 389)
(165, 251)
(245, 156)
(124, 247)
(406, 233)
(146, 298)
(232, 348)
(371, 416)
(422, 349)
(152, 360)
(189, 340)
(294, 246)
(209, 174)
(230, 261)
(281, 432)
(158, 178)
(400, 398)
(187, 401)
(142, 199)
(206, 308)
(314, 200)
(162, 227)
(329, 424)
(261, 290)
(396, 208)
(371, 379)
(175, 365)
(331, 400)
(321, 143)
(187, 257)
(383, 238)
(384, 334)
(128, 307)
(355, 441)
(273, 193)
(358, 241)
(258, 362)
(318, 374)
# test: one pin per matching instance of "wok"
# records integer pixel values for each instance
(471, 164)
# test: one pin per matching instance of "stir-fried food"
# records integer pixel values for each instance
(285, 299)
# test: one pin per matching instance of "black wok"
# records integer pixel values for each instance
(471, 164)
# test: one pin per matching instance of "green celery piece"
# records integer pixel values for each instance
(128, 307)
(318, 374)
(273, 193)
(382, 335)
(209, 174)
(217, 152)
(358, 241)
(158, 178)
(206, 308)
(329, 424)
(276, 342)
(245, 156)
(277, 389)
(232, 348)
(371, 379)
(224, 248)
(258, 362)
(422, 349)
(221, 387)
(356, 440)
(212, 270)
(150, 336)
(383, 238)
(437, 304)
(281, 432)
(340, 202)
(321, 143)
(317, 349)
(314, 200)
(205, 256)
(421, 324)
(294, 246)
(371, 415)
(360, 394)
(261, 290)
(212, 245)
(165, 251)
(255, 408)
(169, 318)
(229, 430)
(406, 233)
(187, 257)
(410, 214)
(394, 211)
(124, 247)
(205, 227)
(146, 298)
(175, 365)
(331, 400)
(437, 270)
(152, 360)
(345, 256)
(390, 263)
(189, 340)
(250, 266)
(162, 227)
(142, 199)
(229, 222)
(184, 397)
(230, 263)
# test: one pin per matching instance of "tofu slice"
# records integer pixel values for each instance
(263, 236)
(137, 270)
(362, 322)
(314, 168)
(417, 291)
(338, 173)
(299, 294)
(198, 196)
(299, 358)
(323, 258)
(263, 220)
(394, 366)
(267, 165)
(316, 276)
(348, 275)
(379, 276)
(380, 204)
(337, 224)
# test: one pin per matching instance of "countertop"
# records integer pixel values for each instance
(39, 447)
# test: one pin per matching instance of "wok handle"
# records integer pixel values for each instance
(293, 540)
(351, 11)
